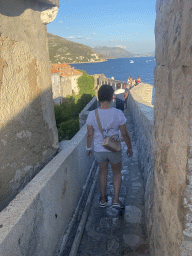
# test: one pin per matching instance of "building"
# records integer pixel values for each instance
(64, 81)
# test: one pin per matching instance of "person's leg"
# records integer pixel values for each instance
(122, 105)
(126, 103)
(103, 179)
(116, 168)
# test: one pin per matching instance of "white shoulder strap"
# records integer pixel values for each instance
(98, 121)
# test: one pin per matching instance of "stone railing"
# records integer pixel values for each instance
(84, 113)
(35, 221)
(104, 80)
(142, 112)
(143, 116)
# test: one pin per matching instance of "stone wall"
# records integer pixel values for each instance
(36, 221)
(142, 113)
(28, 134)
(63, 86)
(56, 88)
(74, 83)
(172, 112)
(93, 104)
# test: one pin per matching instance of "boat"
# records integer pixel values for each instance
(131, 61)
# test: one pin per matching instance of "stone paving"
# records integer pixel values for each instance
(109, 231)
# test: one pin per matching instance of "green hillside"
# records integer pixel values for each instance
(64, 51)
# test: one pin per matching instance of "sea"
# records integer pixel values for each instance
(122, 68)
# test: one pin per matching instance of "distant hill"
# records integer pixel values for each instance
(151, 54)
(113, 52)
(64, 51)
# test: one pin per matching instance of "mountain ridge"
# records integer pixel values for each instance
(113, 52)
(62, 50)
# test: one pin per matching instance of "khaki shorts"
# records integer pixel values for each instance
(113, 157)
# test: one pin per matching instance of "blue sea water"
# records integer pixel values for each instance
(122, 68)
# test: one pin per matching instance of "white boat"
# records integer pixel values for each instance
(131, 61)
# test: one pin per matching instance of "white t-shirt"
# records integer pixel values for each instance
(110, 120)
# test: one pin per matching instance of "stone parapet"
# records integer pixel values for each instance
(34, 223)
(84, 113)
(142, 113)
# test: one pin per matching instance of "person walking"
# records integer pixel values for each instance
(138, 81)
(112, 121)
(129, 81)
(119, 96)
(126, 94)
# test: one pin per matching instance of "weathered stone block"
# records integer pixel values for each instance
(28, 134)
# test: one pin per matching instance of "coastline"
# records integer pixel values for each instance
(107, 60)
(86, 62)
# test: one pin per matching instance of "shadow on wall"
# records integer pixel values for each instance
(11, 8)
(67, 115)
(27, 144)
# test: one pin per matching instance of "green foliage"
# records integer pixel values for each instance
(67, 115)
(86, 84)
(68, 129)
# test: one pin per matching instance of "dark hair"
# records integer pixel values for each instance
(118, 86)
(105, 93)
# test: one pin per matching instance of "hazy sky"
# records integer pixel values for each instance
(125, 23)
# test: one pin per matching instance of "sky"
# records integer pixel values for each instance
(128, 24)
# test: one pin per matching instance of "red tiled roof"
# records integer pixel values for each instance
(64, 69)
(53, 70)
(69, 72)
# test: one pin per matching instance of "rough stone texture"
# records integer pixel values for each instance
(68, 84)
(131, 240)
(143, 92)
(28, 134)
(63, 86)
(48, 15)
(173, 78)
(34, 223)
(133, 214)
(56, 88)
(142, 112)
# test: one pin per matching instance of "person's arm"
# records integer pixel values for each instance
(90, 133)
(126, 138)
(126, 95)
